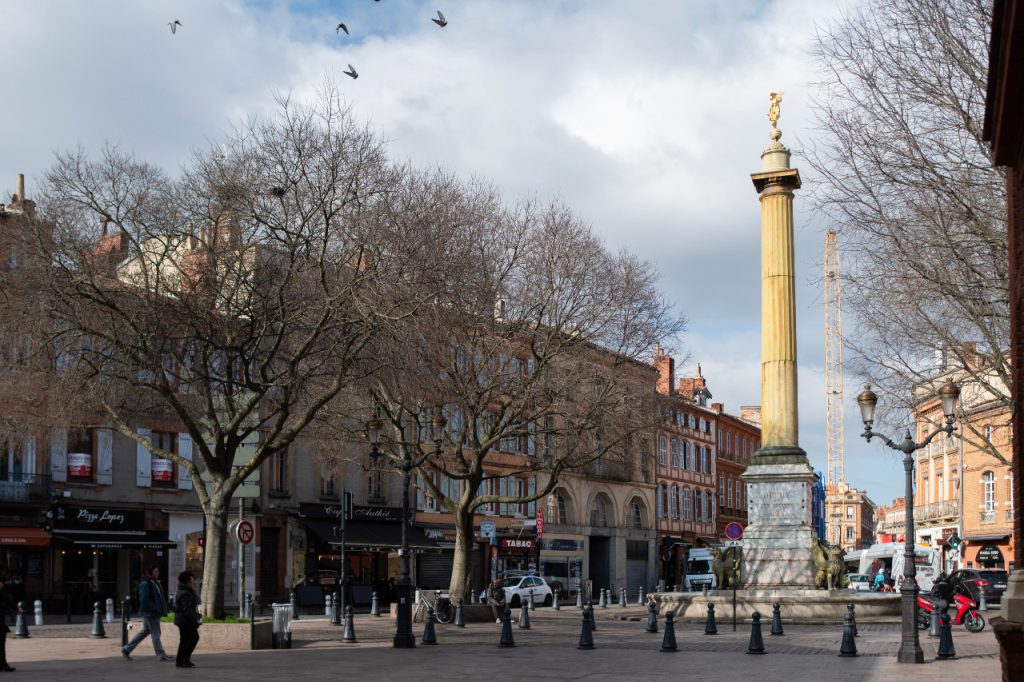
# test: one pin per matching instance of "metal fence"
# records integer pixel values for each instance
(16, 487)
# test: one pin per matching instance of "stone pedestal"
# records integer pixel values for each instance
(777, 540)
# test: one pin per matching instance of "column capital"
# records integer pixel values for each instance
(787, 179)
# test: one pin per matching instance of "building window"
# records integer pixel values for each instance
(988, 433)
(988, 491)
(636, 515)
(687, 504)
(705, 462)
(926, 490)
(688, 455)
(849, 533)
(81, 454)
(327, 485)
(663, 501)
(598, 513)
(728, 493)
(675, 454)
(849, 512)
(277, 473)
(162, 470)
(721, 492)
(663, 451)
(374, 485)
(561, 514)
(704, 511)
(728, 443)
(674, 513)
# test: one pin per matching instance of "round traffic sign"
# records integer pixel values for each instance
(734, 531)
(244, 532)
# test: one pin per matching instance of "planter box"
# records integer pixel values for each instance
(212, 636)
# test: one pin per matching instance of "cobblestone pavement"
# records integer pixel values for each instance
(623, 650)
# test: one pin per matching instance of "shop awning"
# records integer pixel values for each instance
(116, 540)
(370, 535)
(988, 538)
(24, 537)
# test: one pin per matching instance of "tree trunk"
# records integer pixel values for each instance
(214, 554)
(463, 554)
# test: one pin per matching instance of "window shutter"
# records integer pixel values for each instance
(185, 452)
(28, 462)
(59, 455)
(143, 460)
(531, 490)
(104, 456)
(419, 493)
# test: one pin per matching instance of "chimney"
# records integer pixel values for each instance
(666, 367)
(720, 407)
(21, 187)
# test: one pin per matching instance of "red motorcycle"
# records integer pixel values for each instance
(966, 608)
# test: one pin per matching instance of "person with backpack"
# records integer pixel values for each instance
(152, 607)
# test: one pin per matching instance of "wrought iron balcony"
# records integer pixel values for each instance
(25, 488)
(937, 510)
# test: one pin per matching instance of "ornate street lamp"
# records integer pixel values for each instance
(404, 637)
(910, 645)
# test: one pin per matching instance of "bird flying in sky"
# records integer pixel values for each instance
(341, 27)
(174, 25)
(440, 21)
(352, 73)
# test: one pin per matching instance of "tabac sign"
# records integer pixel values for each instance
(516, 543)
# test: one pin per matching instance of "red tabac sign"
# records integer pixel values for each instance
(515, 543)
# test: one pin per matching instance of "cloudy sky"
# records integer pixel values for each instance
(647, 118)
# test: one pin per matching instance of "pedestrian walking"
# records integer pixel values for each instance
(7, 606)
(152, 607)
(186, 617)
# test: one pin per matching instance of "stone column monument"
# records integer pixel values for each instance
(777, 541)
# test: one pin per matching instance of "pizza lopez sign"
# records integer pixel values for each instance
(99, 518)
(510, 543)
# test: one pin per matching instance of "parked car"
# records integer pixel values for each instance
(519, 588)
(859, 582)
(991, 580)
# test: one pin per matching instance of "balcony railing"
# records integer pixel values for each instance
(25, 488)
(937, 510)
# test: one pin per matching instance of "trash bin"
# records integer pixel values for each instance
(282, 626)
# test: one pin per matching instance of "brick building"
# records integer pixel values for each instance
(890, 521)
(853, 513)
(738, 440)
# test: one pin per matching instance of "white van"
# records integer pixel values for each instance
(699, 570)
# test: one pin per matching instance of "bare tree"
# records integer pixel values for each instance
(530, 361)
(911, 188)
(238, 299)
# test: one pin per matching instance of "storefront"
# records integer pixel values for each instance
(100, 553)
(24, 551)
(372, 537)
(561, 563)
(988, 551)
(516, 554)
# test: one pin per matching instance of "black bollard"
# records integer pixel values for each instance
(506, 629)
(946, 650)
(711, 627)
(593, 620)
(459, 622)
(524, 617)
(429, 635)
(622, 597)
(777, 619)
(853, 617)
(849, 646)
(295, 605)
(97, 622)
(375, 605)
(586, 631)
(554, 601)
(125, 608)
(756, 645)
(335, 609)
(20, 622)
(652, 616)
(668, 642)
(349, 636)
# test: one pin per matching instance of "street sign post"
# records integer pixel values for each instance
(734, 531)
(734, 543)
(487, 529)
(244, 532)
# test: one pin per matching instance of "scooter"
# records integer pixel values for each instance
(966, 608)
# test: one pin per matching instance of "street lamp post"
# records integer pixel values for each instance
(404, 638)
(910, 645)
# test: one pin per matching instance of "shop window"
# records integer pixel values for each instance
(162, 470)
(277, 473)
(81, 454)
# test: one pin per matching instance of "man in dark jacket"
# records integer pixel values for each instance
(152, 607)
(186, 617)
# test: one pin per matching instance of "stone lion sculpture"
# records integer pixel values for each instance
(722, 567)
(829, 564)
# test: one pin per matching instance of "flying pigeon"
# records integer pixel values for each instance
(351, 72)
(341, 27)
(440, 21)
(174, 25)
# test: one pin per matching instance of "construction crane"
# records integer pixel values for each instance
(835, 487)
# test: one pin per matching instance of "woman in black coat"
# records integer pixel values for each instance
(7, 607)
(186, 617)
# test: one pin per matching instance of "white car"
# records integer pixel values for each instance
(519, 589)
(859, 582)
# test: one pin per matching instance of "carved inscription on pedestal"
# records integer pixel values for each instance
(778, 503)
